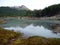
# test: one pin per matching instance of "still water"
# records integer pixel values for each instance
(32, 27)
(32, 30)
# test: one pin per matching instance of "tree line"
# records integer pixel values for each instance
(46, 12)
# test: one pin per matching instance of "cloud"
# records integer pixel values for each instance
(32, 4)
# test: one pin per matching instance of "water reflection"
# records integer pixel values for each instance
(32, 30)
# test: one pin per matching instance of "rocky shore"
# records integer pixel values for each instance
(55, 28)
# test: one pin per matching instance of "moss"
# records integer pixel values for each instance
(2, 21)
(9, 37)
(6, 36)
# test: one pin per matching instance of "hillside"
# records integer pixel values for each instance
(13, 11)
(53, 10)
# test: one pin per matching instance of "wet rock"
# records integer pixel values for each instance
(56, 28)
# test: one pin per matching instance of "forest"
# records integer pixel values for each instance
(52, 10)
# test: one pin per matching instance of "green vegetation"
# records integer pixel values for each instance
(46, 12)
(7, 11)
(9, 37)
(51, 10)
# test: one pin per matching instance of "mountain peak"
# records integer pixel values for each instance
(22, 7)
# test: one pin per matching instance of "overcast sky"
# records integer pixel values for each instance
(32, 4)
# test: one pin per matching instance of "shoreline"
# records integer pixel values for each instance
(33, 18)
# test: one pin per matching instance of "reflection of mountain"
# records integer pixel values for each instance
(32, 30)
(22, 7)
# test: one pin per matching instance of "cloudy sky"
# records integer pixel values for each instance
(32, 4)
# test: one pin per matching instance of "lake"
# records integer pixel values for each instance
(32, 27)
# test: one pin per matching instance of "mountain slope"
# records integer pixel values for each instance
(14, 11)
(22, 7)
